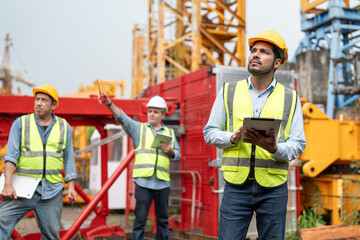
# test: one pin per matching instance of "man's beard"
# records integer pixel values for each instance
(258, 72)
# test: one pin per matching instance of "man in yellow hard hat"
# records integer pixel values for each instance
(255, 168)
(39, 146)
(151, 172)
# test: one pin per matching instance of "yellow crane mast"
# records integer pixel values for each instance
(184, 35)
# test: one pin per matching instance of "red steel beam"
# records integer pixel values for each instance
(77, 111)
(104, 189)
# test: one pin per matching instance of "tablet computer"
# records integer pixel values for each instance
(262, 125)
(23, 185)
(160, 138)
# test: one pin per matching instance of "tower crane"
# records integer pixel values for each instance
(7, 73)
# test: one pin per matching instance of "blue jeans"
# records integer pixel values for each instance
(48, 214)
(239, 203)
(144, 198)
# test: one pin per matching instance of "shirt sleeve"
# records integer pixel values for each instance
(214, 133)
(69, 161)
(14, 142)
(295, 144)
(130, 126)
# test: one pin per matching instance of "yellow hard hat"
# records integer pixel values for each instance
(49, 90)
(273, 37)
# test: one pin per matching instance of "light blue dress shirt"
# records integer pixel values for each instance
(132, 128)
(46, 189)
(215, 135)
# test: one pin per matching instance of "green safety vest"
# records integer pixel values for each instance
(145, 156)
(35, 156)
(236, 160)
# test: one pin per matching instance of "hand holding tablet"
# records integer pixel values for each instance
(160, 138)
(262, 125)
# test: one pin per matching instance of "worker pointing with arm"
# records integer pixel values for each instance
(39, 146)
(255, 170)
(151, 172)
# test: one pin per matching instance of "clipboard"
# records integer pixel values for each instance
(262, 125)
(23, 185)
(160, 138)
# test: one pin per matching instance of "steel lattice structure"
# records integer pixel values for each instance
(184, 35)
(334, 25)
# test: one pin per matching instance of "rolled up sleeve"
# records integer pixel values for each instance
(69, 161)
(14, 141)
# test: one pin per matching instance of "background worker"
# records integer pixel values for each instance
(39, 145)
(255, 170)
(151, 168)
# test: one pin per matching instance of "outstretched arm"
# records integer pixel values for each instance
(107, 101)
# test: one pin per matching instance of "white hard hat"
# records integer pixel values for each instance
(157, 102)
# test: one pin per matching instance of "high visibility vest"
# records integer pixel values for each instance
(37, 158)
(149, 160)
(236, 160)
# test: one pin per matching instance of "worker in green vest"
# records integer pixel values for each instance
(39, 146)
(254, 165)
(151, 172)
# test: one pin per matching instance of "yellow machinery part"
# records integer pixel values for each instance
(106, 86)
(329, 141)
(338, 194)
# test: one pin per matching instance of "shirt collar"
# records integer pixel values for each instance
(53, 119)
(270, 88)
(149, 125)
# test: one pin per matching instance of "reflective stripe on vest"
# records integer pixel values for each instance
(236, 160)
(31, 160)
(145, 156)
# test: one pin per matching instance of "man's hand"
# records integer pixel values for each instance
(104, 99)
(167, 149)
(72, 194)
(266, 142)
(8, 192)
(235, 138)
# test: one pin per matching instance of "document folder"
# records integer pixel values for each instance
(24, 186)
(160, 138)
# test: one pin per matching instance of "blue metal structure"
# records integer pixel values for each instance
(338, 29)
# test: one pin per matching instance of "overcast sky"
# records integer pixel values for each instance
(72, 42)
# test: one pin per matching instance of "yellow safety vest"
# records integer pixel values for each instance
(236, 160)
(36, 158)
(146, 160)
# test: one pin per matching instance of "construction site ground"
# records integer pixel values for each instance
(29, 225)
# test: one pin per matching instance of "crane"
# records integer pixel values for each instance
(7, 73)
(184, 36)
